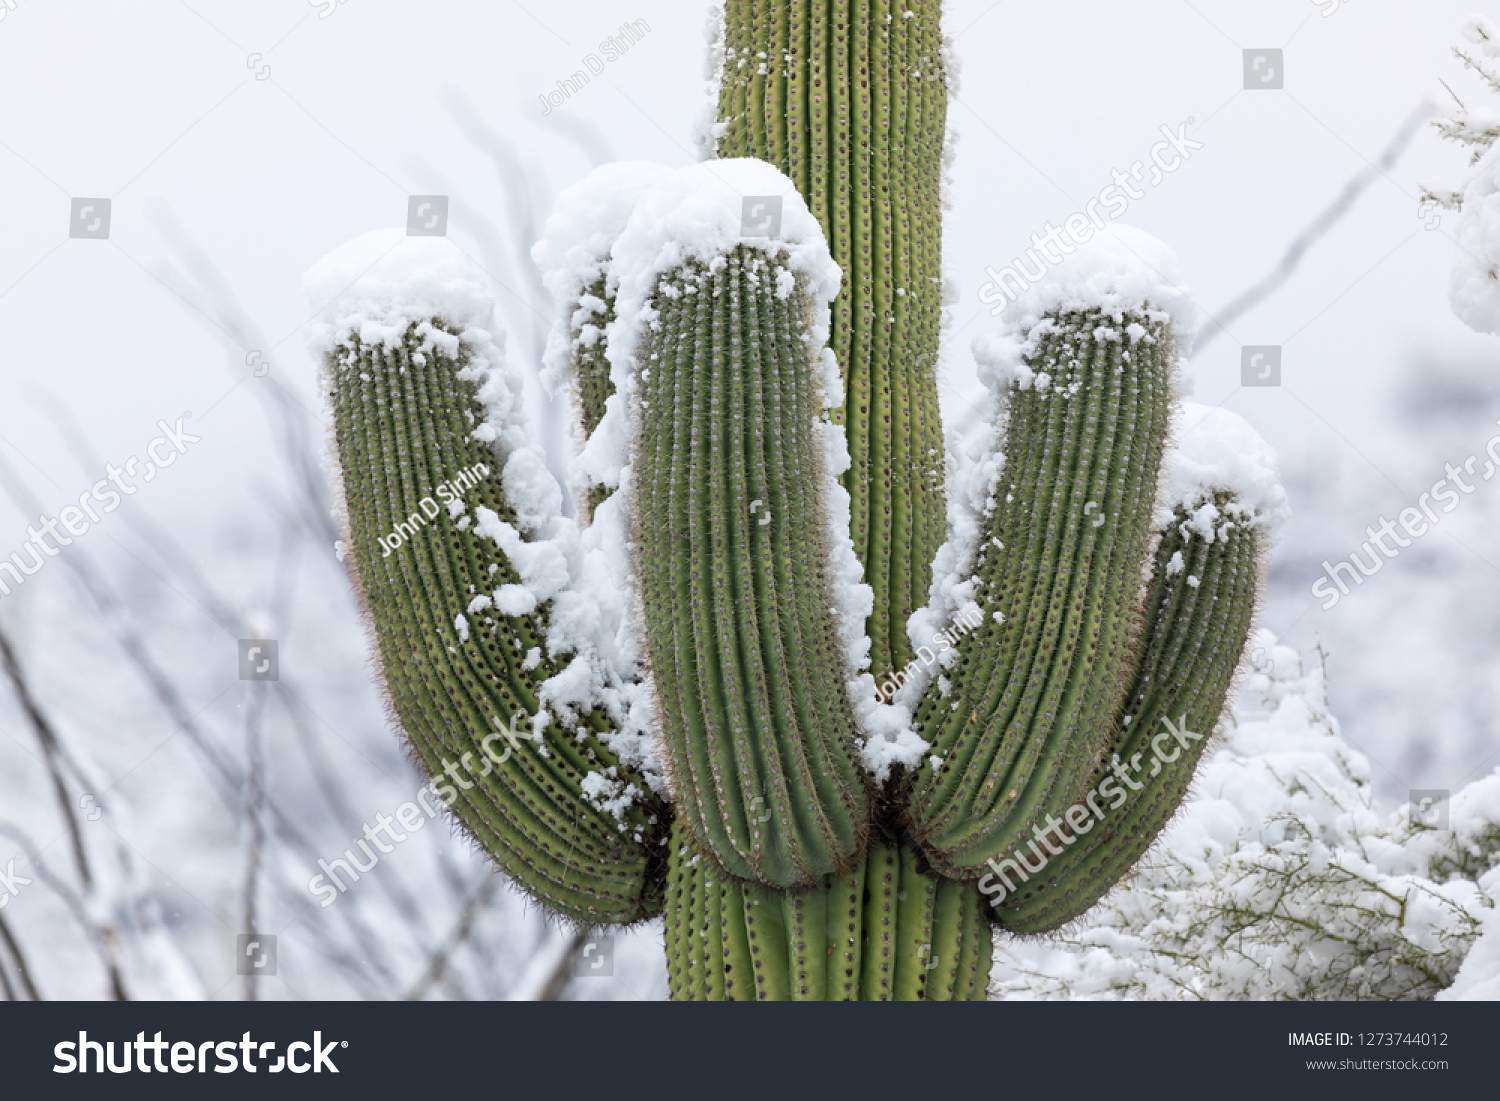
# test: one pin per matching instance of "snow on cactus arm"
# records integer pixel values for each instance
(1084, 378)
(718, 357)
(490, 619)
(1226, 502)
(573, 255)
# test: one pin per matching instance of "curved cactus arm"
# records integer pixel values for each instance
(887, 930)
(491, 617)
(1057, 579)
(573, 255)
(1205, 585)
(718, 354)
(1056, 558)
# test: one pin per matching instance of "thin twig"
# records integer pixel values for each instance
(557, 982)
(437, 965)
(253, 813)
(48, 739)
(20, 961)
(1318, 228)
(100, 936)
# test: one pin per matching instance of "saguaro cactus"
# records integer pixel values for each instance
(832, 701)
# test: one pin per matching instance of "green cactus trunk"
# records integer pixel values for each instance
(888, 932)
(850, 101)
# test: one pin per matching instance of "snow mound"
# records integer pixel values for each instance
(699, 213)
(1483, 33)
(574, 250)
(1474, 285)
(1280, 879)
(1479, 978)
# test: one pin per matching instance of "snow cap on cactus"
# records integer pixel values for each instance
(1120, 271)
(1218, 452)
(380, 283)
(576, 242)
(697, 213)
(586, 220)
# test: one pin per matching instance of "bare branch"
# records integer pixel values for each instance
(1318, 228)
(21, 968)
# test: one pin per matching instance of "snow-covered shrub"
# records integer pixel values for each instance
(1280, 880)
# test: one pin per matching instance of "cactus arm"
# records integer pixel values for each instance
(574, 257)
(719, 345)
(589, 367)
(1060, 562)
(403, 386)
(1201, 606)
(758, 706)
(591, 357)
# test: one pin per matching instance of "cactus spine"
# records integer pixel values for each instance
(782, 871)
